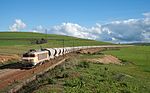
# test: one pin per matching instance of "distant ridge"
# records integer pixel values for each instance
(143, 44)
(25, 38)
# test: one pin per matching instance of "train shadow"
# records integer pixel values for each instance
(16, 65)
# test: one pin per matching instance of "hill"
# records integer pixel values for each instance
(30, 35)
(141, 44)
(19, 42)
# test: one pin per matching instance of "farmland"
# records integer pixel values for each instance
(138, 55)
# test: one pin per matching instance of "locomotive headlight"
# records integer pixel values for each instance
(31, 60)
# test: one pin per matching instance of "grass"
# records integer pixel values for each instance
(77, 76)
(105, 79)
(14, 42)
(19, 42)
(138, 55)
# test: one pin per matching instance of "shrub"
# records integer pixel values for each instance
(39, 41)
(51, 81)
(65, 75)
(84, 65)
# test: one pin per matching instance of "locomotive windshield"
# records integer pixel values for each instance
(28, 55)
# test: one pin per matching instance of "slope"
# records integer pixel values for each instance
(19, 42)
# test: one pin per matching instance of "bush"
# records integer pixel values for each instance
(65, 75)
(51, 81)
(39, 41)
(72, 83)
(84, 65)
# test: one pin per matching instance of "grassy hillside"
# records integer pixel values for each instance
(140, 44)
(25, 38)
(18, 42)
(32, 35)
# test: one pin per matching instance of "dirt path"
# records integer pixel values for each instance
(106, 59)
(5, 58)
(91, 50)
(5, 72)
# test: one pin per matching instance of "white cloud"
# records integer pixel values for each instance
(146, 14)
(131, 30)
(75, 30)
(18, 25)
(147, 18)
(39, 29)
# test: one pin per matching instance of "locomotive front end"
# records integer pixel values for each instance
(28, 59)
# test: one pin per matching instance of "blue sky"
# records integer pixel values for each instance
(84, 12)
(49, 13)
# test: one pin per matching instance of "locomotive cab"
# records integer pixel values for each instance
(28, 59)
(34, 57)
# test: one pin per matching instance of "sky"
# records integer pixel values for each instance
(104, 20)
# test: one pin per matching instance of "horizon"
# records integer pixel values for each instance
(105, 20)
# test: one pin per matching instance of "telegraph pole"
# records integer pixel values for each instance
(73, 45)
(63, 46)
(46, 34)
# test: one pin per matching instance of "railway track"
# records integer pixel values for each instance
(10, 76)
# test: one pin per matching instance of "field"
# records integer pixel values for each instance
(78, 76)
(138, 55)
(19, 42)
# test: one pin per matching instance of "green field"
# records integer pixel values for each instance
(78, 76)
(19, 42)
(138, 55)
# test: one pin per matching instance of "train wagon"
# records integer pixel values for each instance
(57, 51)
(51, 52)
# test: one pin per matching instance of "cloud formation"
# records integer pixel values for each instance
(131, 30)
(39, 28)
(72, 29)
(18, 25)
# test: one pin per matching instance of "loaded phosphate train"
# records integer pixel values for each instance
(34, 57)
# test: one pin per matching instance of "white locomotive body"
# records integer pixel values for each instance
(34, 57)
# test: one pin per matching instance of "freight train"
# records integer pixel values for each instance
(34, 57)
